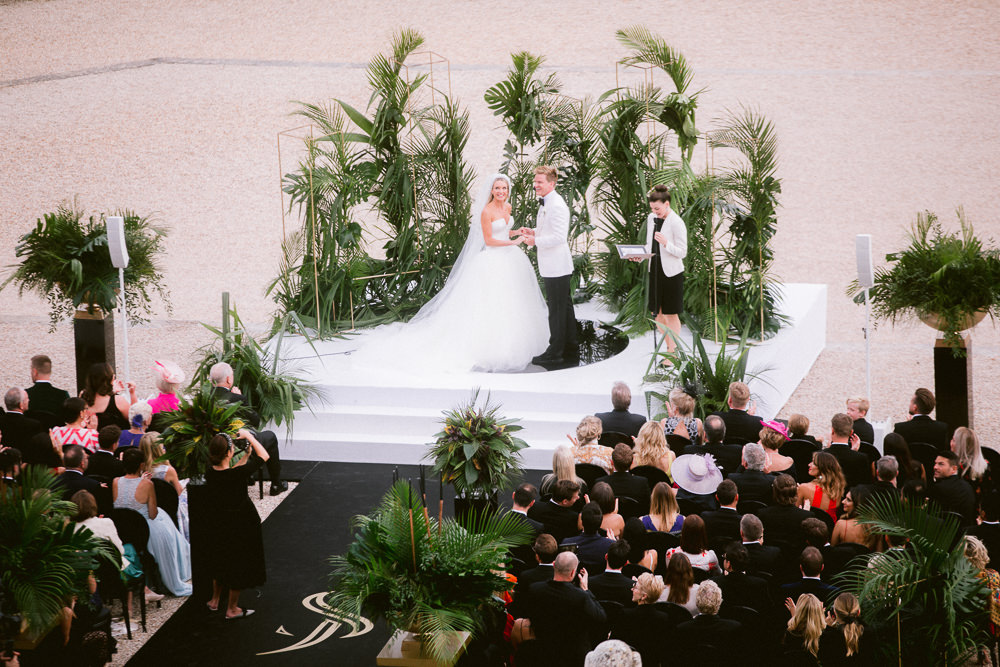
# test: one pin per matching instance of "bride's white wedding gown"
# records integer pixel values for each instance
(492, 319)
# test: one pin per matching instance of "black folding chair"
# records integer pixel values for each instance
(925, 453)
(734, 440)
(612, 438)
(818, 513)
(590, 473)
(166, 498)
(133, 529)
(652, 474)
(750, 506)
(629, 507)
(677, 443)
(661, 543)
(800, 451)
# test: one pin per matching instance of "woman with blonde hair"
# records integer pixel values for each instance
(773, 435)
(563, 467)
(842, 638)
(682, 422)
(651, 448)
(664, 513)
(152, 449)
(972, 467)
(804, 629)
(979, 558)
(586, 448)
(827, 489)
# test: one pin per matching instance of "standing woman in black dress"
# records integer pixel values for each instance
(666, 268)
(237, 548)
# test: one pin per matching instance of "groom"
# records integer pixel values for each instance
(555, 263)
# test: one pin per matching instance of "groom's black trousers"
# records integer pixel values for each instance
(562, 318)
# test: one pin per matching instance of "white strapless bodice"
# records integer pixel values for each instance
(500, 231)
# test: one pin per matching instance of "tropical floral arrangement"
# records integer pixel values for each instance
(432, 577)
(476, 450)
(187, 430)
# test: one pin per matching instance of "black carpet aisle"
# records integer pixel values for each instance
(312, 524)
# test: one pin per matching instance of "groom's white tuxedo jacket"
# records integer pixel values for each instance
(551, 232)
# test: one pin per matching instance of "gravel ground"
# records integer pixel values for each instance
(882, 110)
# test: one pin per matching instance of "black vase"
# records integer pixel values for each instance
(94, 340)
(468, 507)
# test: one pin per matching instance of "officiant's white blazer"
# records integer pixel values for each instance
(676, 248)
(551, 233)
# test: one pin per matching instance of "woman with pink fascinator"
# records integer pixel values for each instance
(169, 378)
(773, 435)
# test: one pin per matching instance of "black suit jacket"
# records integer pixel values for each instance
(559, 522)
(39, 450)
(43, 396)
(924, 429)
(520, 602)
(590, 550)
(635, 487)
(645, 628)
(72, 481)
(613, 586)
(783, 528)
(709, 630)
(865, 431)
(754, 485)
(18, 430)
(621, 421)
(722, 526)
(744, 590)
(763, 558)
(565, 620)
(224, 394)
(105, 464)
(727, 457)
(856, 466)
(954, 494)
(824, 591)
(741, 424)
(989, 533)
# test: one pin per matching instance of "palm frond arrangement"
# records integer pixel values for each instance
(928, 599)
(432, 577)
(44, 559)
(476, 451)
(187, 430)
(948, 275)
(66, 260)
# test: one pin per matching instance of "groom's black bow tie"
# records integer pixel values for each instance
(541, 201)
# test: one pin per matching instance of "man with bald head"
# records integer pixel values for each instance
(565, 616)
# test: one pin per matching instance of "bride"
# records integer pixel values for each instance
(489, 316)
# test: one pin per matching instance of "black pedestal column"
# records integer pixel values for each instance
(953, 383)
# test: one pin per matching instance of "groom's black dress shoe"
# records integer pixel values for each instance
(546, 359)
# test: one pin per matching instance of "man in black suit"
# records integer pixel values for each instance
(783, 520)
(886, 472)
(221, 375)
(857, 409)
(727, 457)
(623, 482)
(739, 588)
(590, 546)
(921, 427)
(17, 429)
(740, 422)
(708, 629)
(558, 515)
(723, 525)
(523, 498)
(103, 462)
(45, 397)
(10, 465)
(545, 551)
(75, 458)
(565, 616)
(950, 491)
(761, 558)
(811, 567)
(753, 483)
(612, 585)
(844, 445)
(989, 530)
(620, 420)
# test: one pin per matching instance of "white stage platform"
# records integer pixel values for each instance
(391, 417)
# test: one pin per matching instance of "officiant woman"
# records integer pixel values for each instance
(666, 267)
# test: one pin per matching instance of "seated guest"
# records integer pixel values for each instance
(545, 550)
(591, 546)
(557, 514)
(834, 560)
(171, 551)
(975, 553)
(523, 497)
(612, 522)
(727, 457)
(586, 448)
(763, 558)
(651, 448)
(645, 626)
(988, 530)
(18, 429)
(639, 560)
(152, 450)
(102, 391)
(950, 491)
(10, 465)
(664, 515)
(707, 629)
(697, 479)
(103, 462)
(623, 482)
(972, 467)
(169, 378)
(773, 435)
(798, 429)
(739, 588)
(857, 409)
(620, 420)
(811, 568)
(77, 430)
(682, 422)
(844, 641)
(694, 545)
(613, 653)
(679, 583)
(139, 417)
(565, 615)
(844, 446)
(800, 644)
(921, 427)
(783, 520)
(886, 474)
(75, 458)
(563, 468)
(612, 585)
(753, 483)
(895, 445)
(723, 525)
(43, 396)
(828, 485)
(740, 422)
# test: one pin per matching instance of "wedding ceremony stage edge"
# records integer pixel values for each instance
(390, 416)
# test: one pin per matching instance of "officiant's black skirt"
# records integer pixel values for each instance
(666, 294)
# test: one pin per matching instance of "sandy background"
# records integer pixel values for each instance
(882, 110)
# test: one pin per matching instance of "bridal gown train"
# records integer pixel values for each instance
(492, 319)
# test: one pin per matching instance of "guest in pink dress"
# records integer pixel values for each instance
(168, 381)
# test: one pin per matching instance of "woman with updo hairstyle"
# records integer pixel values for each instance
(102, 391)
(139, 417)
(236, 547)
(651, 448)
(611, 522)
(804, 630)
(169, 378)
(772, 436)
(587, 449)
(979, 558)
(844, 641)
(682, 422)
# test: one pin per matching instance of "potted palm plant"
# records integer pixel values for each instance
(477, 453)
(950, 281)
(433, 579)
(66, 260)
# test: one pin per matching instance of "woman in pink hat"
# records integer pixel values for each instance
(169, 378)
(772, 436)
